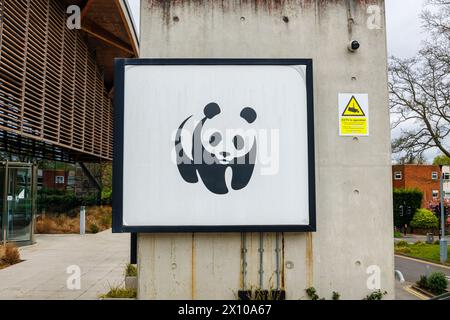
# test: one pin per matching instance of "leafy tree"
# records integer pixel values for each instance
(420, 89)
(441, 160)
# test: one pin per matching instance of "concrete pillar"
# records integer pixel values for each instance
(354, 193)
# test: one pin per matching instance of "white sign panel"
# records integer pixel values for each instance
(214, 145)
(353, 114)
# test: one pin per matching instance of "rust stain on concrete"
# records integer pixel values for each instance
(309, 260)
(193, 266)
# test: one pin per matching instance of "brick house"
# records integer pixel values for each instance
(56, 179)
(423, 177)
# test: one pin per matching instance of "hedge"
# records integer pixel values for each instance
(411, 200)
(60, 201)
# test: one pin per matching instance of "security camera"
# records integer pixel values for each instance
(353, 46)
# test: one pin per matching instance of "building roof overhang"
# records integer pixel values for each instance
(110, 32)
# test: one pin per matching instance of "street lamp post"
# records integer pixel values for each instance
(443, 242)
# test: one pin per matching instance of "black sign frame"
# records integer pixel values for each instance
(119, 96)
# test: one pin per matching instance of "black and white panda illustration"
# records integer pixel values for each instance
(214, 152)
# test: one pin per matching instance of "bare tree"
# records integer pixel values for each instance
(420, 89)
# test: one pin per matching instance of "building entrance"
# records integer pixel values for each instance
(17, 202)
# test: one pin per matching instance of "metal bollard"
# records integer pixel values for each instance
(83, 220)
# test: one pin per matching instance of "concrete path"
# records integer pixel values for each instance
(43, 275)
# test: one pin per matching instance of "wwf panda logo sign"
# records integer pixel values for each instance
(213, 146)
(216, 154)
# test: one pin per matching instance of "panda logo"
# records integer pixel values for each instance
(212, 155)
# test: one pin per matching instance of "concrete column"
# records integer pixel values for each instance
(354, 193)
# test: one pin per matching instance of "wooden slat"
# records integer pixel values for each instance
(51, 89)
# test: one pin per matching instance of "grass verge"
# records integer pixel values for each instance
(420, 250)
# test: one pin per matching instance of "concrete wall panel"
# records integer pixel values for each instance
(354, 212)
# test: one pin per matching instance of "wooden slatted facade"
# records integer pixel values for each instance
(53, 100)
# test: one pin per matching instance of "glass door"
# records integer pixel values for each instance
(17, 202)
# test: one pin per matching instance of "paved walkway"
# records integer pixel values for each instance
(43, 274)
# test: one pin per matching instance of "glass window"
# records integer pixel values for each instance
(59, 179)
(435, 194)
(434, 175)
(398, 175)
(446, 176)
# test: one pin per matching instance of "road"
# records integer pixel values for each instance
(413, 269)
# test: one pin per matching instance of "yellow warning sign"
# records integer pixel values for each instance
(353, 114)
(353, 109)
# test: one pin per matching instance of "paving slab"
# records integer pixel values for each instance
(43, 273)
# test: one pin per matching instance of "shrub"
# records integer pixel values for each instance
(397, 234)
(404, 250)
(106, 221)
(411, 200)
(437, 283)
(425, 219)
(106, 196)
(402, 243)
(423, 282)
(437, 242)
(89, 200)
(419, 244)
(94, 228)
(10, 255)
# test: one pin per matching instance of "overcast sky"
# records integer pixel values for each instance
(403, 25)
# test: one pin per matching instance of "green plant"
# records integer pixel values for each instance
(424, 219)
(89, 200)
(420, 243)
(312, 294)
(403, 250)
(376, 295)
(94, 228)
(120, 293)
(406, 202)
(106, 196)
(336, 296)
(130, 270)
(397, 234)
(442, 160)
(423, 282)
(437, 283)
(402, 243)
(437, 242)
